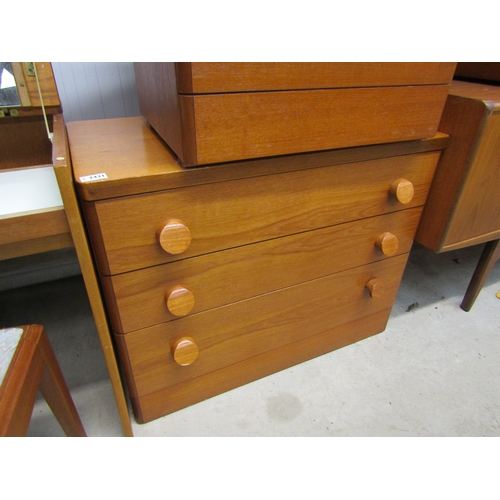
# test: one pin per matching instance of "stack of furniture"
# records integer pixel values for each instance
(260, 215)
(463, 208)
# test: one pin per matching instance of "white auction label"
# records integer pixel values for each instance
(93, 177)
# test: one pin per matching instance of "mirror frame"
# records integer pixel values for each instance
(27, 89)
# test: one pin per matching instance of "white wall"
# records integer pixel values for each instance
(95, 90)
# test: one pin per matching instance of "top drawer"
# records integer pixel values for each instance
(126, 232)
(214, 112)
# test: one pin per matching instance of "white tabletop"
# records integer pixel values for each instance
(27, 190)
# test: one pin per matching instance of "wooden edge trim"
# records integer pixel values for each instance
(29, 226)
(22, 88)
(188, 126)
(17, 399)
(184, 77)
(31, 247)
(477, 240)
(62, 167)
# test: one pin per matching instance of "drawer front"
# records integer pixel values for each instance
(223, 215)
(208, 77)
(170, 399)
(163, 293)
(290, 122)
(242, 330)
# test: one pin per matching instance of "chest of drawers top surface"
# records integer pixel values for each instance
(135, 160)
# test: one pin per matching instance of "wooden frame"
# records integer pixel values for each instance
(34, 367)
(27, 87)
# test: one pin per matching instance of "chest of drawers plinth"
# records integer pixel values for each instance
(216, 276)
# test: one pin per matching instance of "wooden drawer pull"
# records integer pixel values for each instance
(185, 351)
(173, 236)
(387, 243)
(376, 288)
(180, 301)
(402, 190)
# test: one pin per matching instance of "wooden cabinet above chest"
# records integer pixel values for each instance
(219, 112)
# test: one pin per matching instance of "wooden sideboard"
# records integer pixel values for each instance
(216, 276)
(463, 208)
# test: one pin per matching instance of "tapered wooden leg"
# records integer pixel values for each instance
(20, 387)
(34, 367)
(489, 257)
(55, 391)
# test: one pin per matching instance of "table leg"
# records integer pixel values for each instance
(489, 257)
(55, 391)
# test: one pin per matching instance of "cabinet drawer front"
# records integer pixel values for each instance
(234, 213)
(239, 331)
(208, 77)
(170, 399)
(239, 126)
(138, 299)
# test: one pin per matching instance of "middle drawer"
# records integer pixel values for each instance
(147, 297)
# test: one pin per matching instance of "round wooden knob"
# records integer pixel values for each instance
(185, 351)
(376, 288)
(387, 243)
(402, 190)
(179, 300)
(174, 237)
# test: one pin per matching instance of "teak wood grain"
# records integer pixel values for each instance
(231, 127)
(463, 208)
(273, 260)
(489, 71)
(126, 148)
(47, 83)
(215, 77)
(137, 299)
(237, 111)
(229, 214)
(34, 368)
(24, 142)
(242, 330)
(64, 175)
(34, 232)
(164, 401)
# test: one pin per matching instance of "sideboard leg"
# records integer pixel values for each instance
(490, 255)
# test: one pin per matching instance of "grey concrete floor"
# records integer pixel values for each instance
(434, 371)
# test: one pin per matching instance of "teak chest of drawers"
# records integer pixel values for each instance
(217, 276)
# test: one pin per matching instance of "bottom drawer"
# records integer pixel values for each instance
(171, 399)
(229, 337)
